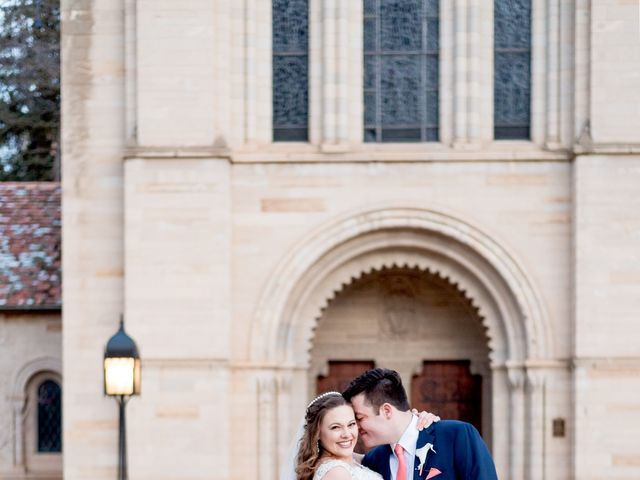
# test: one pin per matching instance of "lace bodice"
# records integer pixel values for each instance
(357, 471)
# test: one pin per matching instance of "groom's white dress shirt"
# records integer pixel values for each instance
(408, 441)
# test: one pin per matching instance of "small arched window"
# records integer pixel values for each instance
(39, 448)
(49, 431)
(512, 69)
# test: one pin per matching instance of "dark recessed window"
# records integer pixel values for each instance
(401, 55)
(290, 70)
(49, 417)
(512, 69)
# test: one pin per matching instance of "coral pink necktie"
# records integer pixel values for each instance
(401, 474)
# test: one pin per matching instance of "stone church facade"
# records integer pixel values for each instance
(257, 260)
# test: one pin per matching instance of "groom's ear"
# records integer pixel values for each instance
(386, 410)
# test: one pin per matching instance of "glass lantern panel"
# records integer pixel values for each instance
(119, 376)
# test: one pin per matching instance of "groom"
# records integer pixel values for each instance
(448, 449)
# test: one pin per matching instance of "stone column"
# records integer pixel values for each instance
(500, 426)
(551, 73)
(256, 103)
(335, 73)
(481, 117)
(18, 408)
(535, 389)
(131, 59)
(355, 74)
(267, 420)
(286, 417)
(582, 49)
(539, 47)
(566, 76)
(460, 74)
(517, 422)
(330, 70)
(447, 78)
(470, 25)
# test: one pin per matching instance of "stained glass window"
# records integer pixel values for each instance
(401, 55)
(512, 69)
(49, 417)
(290, 70)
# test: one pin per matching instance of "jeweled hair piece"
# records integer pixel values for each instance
(321, 396)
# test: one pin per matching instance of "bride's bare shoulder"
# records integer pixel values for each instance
(338, 472)
(333, 470)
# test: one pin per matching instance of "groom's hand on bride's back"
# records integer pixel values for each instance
(425, 419)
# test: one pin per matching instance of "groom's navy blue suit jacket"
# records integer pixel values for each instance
(460, 454)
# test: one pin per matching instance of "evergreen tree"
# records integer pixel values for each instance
(29, 89)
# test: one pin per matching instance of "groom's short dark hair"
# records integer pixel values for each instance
(379, 386)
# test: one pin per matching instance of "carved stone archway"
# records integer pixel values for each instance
(50, 366)
(507, 301)
(337, 248)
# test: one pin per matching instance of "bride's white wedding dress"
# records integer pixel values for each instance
(357, 471)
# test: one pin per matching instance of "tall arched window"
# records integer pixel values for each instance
(401, 54)
(49, 417)
(290, 27)
(512, 69)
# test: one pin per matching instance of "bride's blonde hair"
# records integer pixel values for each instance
(310, 449)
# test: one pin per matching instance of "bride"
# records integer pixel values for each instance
(329, 436)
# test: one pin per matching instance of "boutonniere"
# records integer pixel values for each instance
(421, 453)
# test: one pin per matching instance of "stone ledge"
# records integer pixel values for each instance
(176, 152)
(606, 363)
(608, 149)
(285, 152)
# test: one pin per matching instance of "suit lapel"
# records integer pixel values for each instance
(386, 466)
(424, 437)
(378, 460)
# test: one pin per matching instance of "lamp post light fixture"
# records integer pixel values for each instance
(121, 381)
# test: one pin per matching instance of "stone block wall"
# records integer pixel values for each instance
(607, 301)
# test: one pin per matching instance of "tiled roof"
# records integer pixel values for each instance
(30, 243)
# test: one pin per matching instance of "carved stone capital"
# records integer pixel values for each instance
(516, 377)
(284, 382)
(535, 379)
(266, 386)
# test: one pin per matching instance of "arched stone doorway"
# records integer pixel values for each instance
(417, 323)
(327, 260)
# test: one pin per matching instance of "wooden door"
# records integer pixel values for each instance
(448, 389)
(340, 374)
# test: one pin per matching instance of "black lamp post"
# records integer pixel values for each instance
(121, 380)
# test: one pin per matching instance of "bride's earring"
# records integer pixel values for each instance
(318, 447)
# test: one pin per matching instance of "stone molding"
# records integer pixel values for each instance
(29, 369)
(368, 240)
(42, 365)
(498, 151)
